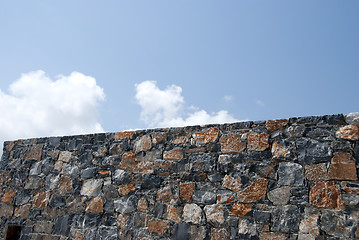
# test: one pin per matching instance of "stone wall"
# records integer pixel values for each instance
(279, 179)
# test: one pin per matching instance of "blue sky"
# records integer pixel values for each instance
(252, 60)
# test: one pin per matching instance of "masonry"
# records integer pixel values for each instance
(292, 178)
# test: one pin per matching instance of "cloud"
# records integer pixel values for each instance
(228, 98)
(260, 103)
(36, 105)
(165, 108)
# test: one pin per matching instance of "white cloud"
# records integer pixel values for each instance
(228, 98)
(39, 106)
(260, 103)
(165, 108)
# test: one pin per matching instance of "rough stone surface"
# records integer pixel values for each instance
(290, 174)
(342, 167)
(254, 192)
(192, 213)
(279, 196)
(206, 136)
(286, 219)
(239, 209)
(232, 143)
(158, 227)
(231, 183)
(257, 141)
(186, 191)
(274, 125)
(326, 194)
(316, 172)
(214, 214)
(349, 132)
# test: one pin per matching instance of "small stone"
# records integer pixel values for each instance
(316, 172)
(157, 226)
(43, 227)
(311, 151)
(34, 152)
(92, 187)
(172, 214)
(144, 167)
(214, 214)
(6, 210)
(34, 182)
(247, 227)
(279, 196)
(176, 153)
(123, 135)
(232, 143)
(326, 194)
(125, 204)
(349, 132)
(65, 156)
(143, 144)
(186, 191)
(257, 141)
(280, 151)
(124, 190)
(206, 136)
(142, 205)
(95, 205)
(164, 195)
(290, 174)
(239, 209)
(22, 211)
(158, 137)
(253, 192)
(225, 198)
(219, 234)
(272, 236)
(309, 225)
(274, 125)
(286, 219)
(342, 167)
(151, 181)
(8, 196)
(62, 225)
(180, 140)
(65, 185)
(122, 220)
(231, 183)
(192, 213)
(41, 199)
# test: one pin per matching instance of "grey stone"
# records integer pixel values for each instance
(62, 225)
(151, 181)
(125, 204)
(34, 182)
(109, 206)
(159, 210)
(203, 162)
(89, 173)
(110, 192)
(57, 202)
(35, 169)
(90, 234)
(286, 219)
(120, 177)
(312, 151)
(22, 197)
(75, 145)
(351, 199)
(261, 216)
(107, 233)
(204, 197)
(92, 220)
(290, 174)
(92, 187)
(181, 231)
(352, 118)
(54, 142)
(279, 196)
(247, 226)
(85, 159)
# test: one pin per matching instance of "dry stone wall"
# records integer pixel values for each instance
(292, 178)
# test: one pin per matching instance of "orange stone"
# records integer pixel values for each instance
(122, 220)
(158, 137)
(128, 161)
(164, 195)
(232, 143)
(41, 199)
(326, 194)
(176, 153)
(274, 125)
(272, 236)
(239, 209)
(316, 172)
(65, 185)
(104, 172)
(123, 135)
(95, 205)
(232, 183)
(180, 140)
(34, 152)
(219, 234)
(257, 141)
(143, 144)
(349, 132)
(172, 214)
(342, 167)
(6, 210)
(142, 205)
(8, 196)
(206, 136)
(253, 192)
(9, 146)
(124, 190)
(157, 226)
(144, 167)
(22, 211)
(164, 165)
(186, 191)
(279, 150)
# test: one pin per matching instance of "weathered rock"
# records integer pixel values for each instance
(285, 219)
(186, 191)
(224, 198)
(272, 236)
(280, 151)
(125, 204)
(181, 231)
(232, 143)
(290, 174)
(95, 205)
(349, 132)
(342, 167)
(247, 227)
(123, 135)
(174, 154)
(214, 214)
(65, 156)
(8, 196)
(309, 225)
(22, 211)
(143, 144)
(62, 225)
(107, 233)
(157, 226)
(219, 234)
(257, 141)
(231, 183)
(206, 136)
(312, 151)
(6, 210)
(274, 125)
(239, 209)
(253, 192)
(279, 196)
(92, 187)
(172, 214)
(126, 189)
(151, 181)
(34, 152)
(142, 205)
(41, 199)
(326, 194)
(192, 213)
(316, 172)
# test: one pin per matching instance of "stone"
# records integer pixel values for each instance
(280, 151)
(247, 227)
(107, 233)
(261, 216)
(125, 204)
(41, 199)
(34, 182)
(349, 132)
(43, 227)
(6, 210)
(231, 183)
(158, 137)
(186, 191)
(122, 220)
(274, 125)
(272, 236)
(57, 202)
(65, 185)
(157, 226)
(8, 196)
(172, 214)
(65, 156)
(180, 140)
(219, 234)
(126, 189)
(143, 144)
(232, 143)
(337, 224)
(95, 205)
(290, 174)
(214, 214)
(151, 181)
(312, 151)
(181, 231)
(142, 205)
(257, 141)
(352, 118)
(342, 167)
(34, 152)
(22, 211)
(316, 172)
(326, 194)
(224, 198)
(173, 154)
(205, 197)
(253, 192)
(164, 194)
(62, 225)
(239, 209)
(144, 167)
(123, 135)
(309, 225)
(279, 196)
(206, 136)
(351, 199)
(91, 187)
(286, 219)
(192, 213)
(120, 176)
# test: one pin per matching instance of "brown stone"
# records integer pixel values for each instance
(34, 152)
(122, 221)
(192, 213)
(157, 226)
(206, 136)
(316, 172)
(176, 153)
(41, 199)
(144, 167)
(126, 189)
(164, 194)
(279, 150)
(95, 205)
(180, 140)
(274, 125)
(186, 191)
(231, 183)
(128, 161)
(142, 205)
(257, 141)
(309, 225)
(197, 232)
(123, 135)
(214, 214)
(65, 156)
(143, 144)
(22, 211)
(58, 165)
(6, 210)
(9, 146)
(77, 234)
(254, 192)
(342, 167)
(219, 234)
(158, 137)
(232, 143)
(223, 198)
(8, 196)
(172, 214)
(272, 236)
(349, 132)
(65, 185)
(326, 194)
(165, 165)
(239, 209)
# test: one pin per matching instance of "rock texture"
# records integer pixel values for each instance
(281, 179)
